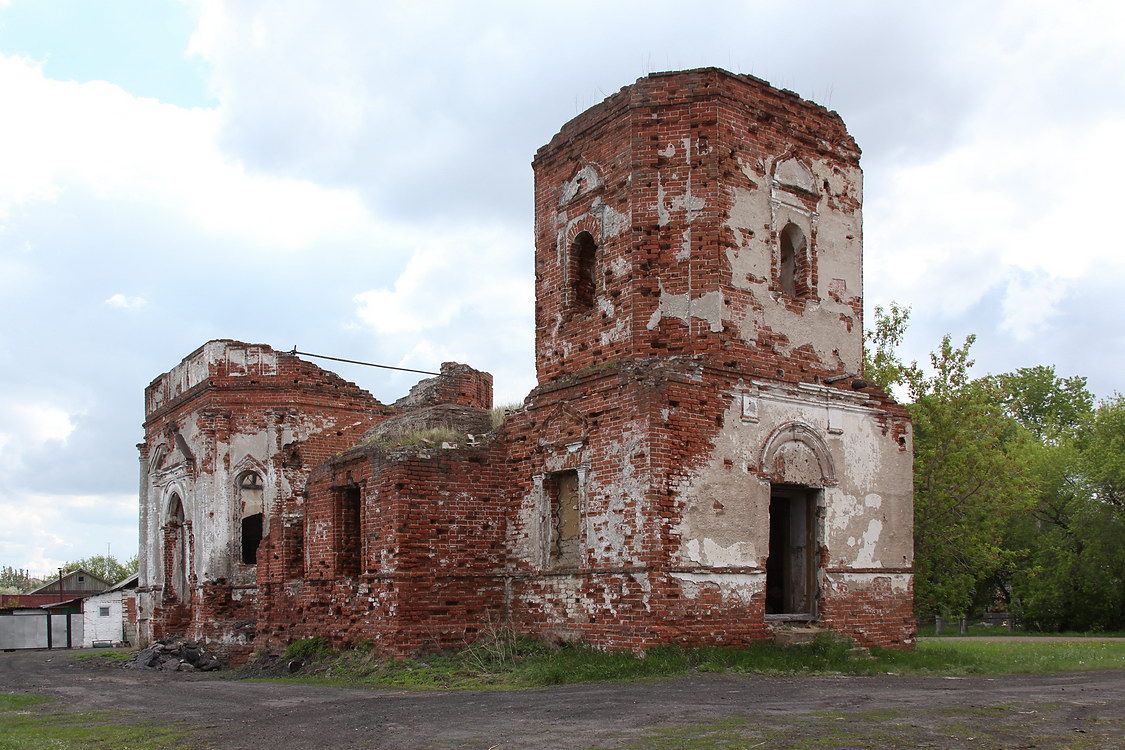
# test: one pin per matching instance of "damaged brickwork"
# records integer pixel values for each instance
(700, 462)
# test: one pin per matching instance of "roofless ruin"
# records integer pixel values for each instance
(699, 462)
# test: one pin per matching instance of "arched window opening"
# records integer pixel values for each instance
(792, 261)
(252, 514)
(175, 551)
(584, 254)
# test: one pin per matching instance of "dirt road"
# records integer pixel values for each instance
(1069, 710)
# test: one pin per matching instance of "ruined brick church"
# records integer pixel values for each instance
(700, 462)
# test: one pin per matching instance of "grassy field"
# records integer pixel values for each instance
(26, 722)
(951, 630)
(513, 662)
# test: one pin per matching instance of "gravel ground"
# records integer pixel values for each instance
(1079, 710)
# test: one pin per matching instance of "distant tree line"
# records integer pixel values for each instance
(106, 567)
(17, 581)
(1019, 487)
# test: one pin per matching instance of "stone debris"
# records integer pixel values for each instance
(176, 655)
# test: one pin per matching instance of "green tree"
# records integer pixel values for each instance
(970, 479)
(1070, 568)
(1053, 408)
(881, 362)
(15, 581)
(1103, 454)
(106, 567)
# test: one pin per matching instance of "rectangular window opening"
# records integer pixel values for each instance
(103, 611)
(349, 539)
(561, 489)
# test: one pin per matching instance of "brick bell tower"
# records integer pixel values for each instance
(700, 213)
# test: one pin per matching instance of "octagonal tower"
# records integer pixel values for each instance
(700, 213)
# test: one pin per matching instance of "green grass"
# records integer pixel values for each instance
(505, 661)
(951, 630)
(959, 656)
(106, 654)
(24, 724)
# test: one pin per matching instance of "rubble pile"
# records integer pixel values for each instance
(175, 655)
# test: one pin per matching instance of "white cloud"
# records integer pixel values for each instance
(96, 138)
(44, 531)
(124, 302)
(1030, 304)
(1015, 216)
(463, 296)
(27, 426)
(414, 304)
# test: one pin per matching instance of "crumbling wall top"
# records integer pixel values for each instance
(458, 385)
(226, 363)
(670, 87)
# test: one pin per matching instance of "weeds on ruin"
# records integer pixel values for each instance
(433, 436)
(308, 649)
(500, 413)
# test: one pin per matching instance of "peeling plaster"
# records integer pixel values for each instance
(844, 583)
(725, 505)
(614, 222)
(623, 498)
(754, 217)
(584, 181)
(724, 520)
(740, 586)
(707, 307)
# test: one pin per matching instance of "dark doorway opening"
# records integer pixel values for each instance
(791, 581)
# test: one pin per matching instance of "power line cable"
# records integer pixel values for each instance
(365, 364)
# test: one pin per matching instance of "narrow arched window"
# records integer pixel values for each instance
(176, 559)
(252, 516)
(792, 261)
(583, 268)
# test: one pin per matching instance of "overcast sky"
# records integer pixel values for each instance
(354, 179)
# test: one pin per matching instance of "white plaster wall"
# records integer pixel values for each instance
(834, 231)
(867, 516)
(95, 627)
(236, 359)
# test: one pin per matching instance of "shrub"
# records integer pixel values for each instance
(308, 649)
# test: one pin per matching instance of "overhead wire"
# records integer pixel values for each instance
(359, 362)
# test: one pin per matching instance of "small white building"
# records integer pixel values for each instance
(110, 618)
